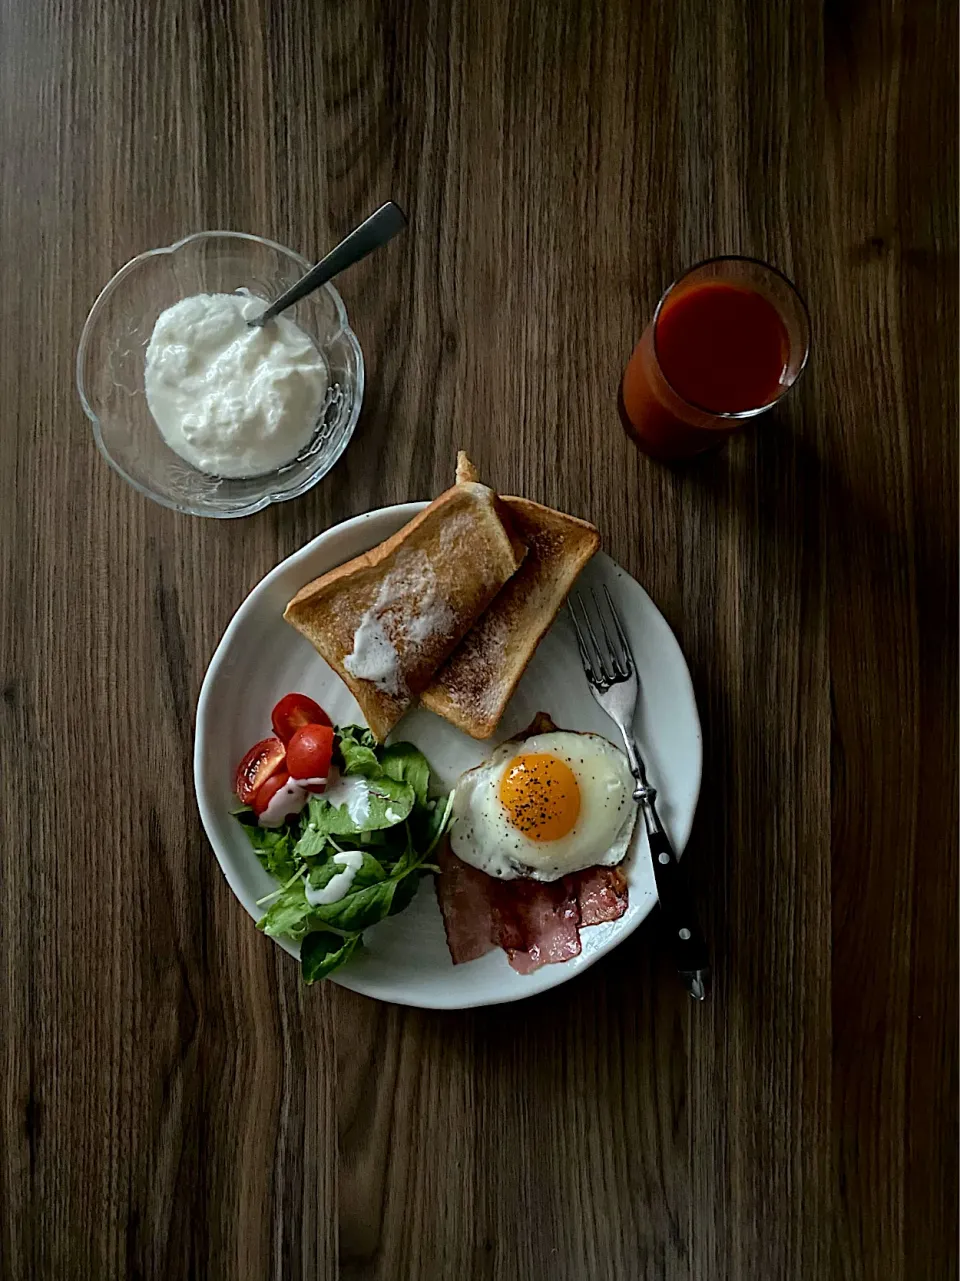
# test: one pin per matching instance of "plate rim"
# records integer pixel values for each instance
(559, 974)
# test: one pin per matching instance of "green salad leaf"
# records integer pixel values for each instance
(407, 764)
(395, 826)
(313, 843)
(405, 892)
(371, 872)
(358, 751)
(383, 803)
(361, 909)
(429, 822)
(321, 953)
(288, 914)
(274, 845)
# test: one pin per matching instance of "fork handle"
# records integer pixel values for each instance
(689, 948)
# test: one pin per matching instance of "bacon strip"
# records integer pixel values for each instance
(601, 893)
(536, 923)
(467, 907)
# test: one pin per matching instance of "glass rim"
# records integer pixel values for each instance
(274, 495)
(725, 415)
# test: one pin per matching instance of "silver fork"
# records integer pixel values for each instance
(612, 676)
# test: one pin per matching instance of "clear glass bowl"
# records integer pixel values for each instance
(110, 365)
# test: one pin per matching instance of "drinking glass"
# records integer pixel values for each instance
(732, 329)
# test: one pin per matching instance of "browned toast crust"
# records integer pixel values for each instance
(415, 595)
(473, 687)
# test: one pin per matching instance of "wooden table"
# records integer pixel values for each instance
(175, 1104)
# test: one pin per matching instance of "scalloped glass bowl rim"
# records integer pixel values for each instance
(267, 499)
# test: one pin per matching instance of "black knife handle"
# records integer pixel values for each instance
(689, 948)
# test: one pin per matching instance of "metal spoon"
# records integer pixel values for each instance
(373, 233)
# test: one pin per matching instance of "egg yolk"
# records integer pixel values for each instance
(540, 795)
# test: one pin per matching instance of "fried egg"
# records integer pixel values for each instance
(544, 807)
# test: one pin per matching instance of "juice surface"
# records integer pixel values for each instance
(722, 347)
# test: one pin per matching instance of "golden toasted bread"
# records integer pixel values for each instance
(387, 620)
(473, 687)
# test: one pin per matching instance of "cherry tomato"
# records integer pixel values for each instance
(263, 759)
(309, 753)
(293, 712)
(265, 794)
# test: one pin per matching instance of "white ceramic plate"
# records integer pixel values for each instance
(405, 959)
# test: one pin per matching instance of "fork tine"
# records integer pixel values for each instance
(627, 653)
(581, 643)
(619, 669)
(605, 673)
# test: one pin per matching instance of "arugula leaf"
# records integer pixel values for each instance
(371, 872)
(428, 824)
(356, 734)
(397, 829)
(292, 914)
(388, 844)
(441, 819)
(357, 751)
(321, 953)
(389, 803)
(322, 819)
(409, 859)
(407, 764)
(288, 914)
(405, 892)
(312, 842)
(251, 824)
(274, 847)
(376, 840)
(360, 909)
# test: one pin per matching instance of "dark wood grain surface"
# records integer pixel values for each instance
(174, 1104)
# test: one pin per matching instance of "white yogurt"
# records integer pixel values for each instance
(232, 400)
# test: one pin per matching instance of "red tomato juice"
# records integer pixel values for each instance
(717, 349)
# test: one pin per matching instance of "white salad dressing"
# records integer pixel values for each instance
(408, 610)
(339, 884)
(288, 801)
(232, 400)
(374, 657)
(354, 792)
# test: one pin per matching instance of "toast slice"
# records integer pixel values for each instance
(387, 620)
(473, 687)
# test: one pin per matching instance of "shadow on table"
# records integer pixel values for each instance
(818, 551)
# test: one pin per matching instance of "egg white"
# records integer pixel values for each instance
(483, 836)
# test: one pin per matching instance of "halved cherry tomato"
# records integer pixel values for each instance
(309, 753)
(263, 759)
(275, 783)
(293, 712)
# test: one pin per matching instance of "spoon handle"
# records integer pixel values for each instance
(374, 232)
